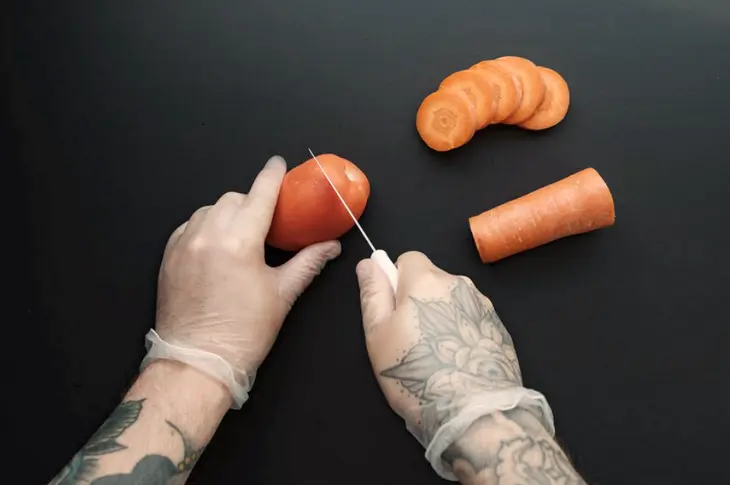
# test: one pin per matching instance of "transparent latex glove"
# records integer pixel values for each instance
(441, 354)
(220, 306)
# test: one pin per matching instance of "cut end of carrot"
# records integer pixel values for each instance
(446, 119)
(479, 232)
(576, 204)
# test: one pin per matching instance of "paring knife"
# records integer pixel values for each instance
(379, 256)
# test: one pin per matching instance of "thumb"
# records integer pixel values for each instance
(376, 295)
(296, 274)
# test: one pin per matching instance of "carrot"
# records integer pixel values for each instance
(308, 210)
(503, 87)
(446, 119)
(479, 91)
(576, 204)
(529, 85)
(554, 107)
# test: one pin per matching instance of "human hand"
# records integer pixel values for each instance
(220, 306)
(440, 352)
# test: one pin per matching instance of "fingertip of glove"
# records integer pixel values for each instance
(275, 162)
(363, 270)
(332, 250)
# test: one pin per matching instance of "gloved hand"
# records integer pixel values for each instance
(220, 307)
(441, 354)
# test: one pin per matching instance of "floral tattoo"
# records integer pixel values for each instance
(464, 349)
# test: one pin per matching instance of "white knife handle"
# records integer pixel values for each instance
(381, 258)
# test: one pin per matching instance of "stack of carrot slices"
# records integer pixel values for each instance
(509, 90)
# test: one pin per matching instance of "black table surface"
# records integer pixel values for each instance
(124, 117)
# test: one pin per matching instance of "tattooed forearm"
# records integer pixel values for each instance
(510, 448)
(152, 469)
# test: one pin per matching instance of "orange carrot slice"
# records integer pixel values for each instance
(576, 204)
(554, 107)
(503, 88)
(530, 87)
(479, 91)
(446, 119)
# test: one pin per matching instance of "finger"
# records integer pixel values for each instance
(412, 267)
(412, 259)
(296, 274)
(377, 300)
(175, 236)
(225, 209)
(186, 227)
(388, 332)
(254, 220)
(196, 220)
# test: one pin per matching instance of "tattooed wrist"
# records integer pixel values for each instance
(510, 447)
(156, 435)
(151, 469)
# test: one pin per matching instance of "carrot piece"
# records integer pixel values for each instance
(446, 119)
(479, 91)
(576, 204)
(555, 105)
(308, 210)
(530, 87)
(503, 87)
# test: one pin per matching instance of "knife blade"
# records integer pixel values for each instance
(379, 256)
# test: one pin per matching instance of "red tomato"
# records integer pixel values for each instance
(309, 211)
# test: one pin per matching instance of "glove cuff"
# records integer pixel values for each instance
(215, 366)
(469, 411)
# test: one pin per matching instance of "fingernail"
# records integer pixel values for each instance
(274, 161)
(363, 270)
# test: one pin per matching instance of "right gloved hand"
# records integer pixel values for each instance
(441, 354)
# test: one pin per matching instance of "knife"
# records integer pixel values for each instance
(379, 256)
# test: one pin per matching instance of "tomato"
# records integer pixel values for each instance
(309, 211)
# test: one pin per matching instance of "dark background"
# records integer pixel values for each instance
(121, 118)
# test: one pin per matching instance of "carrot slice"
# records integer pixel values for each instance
(531, 87)
(503, 87)
(446, 119)
(554, 107)
(479, 91)
(576, 204)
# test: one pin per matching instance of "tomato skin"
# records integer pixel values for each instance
(308, 210)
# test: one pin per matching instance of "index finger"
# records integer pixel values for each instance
(418, 276)
(412, 265)
(256, 212)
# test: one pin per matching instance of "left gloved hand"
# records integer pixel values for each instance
(220, 306)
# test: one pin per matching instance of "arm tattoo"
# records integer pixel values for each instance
(464, 350)
(150, 470)
(527, 460)
(526, 456)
